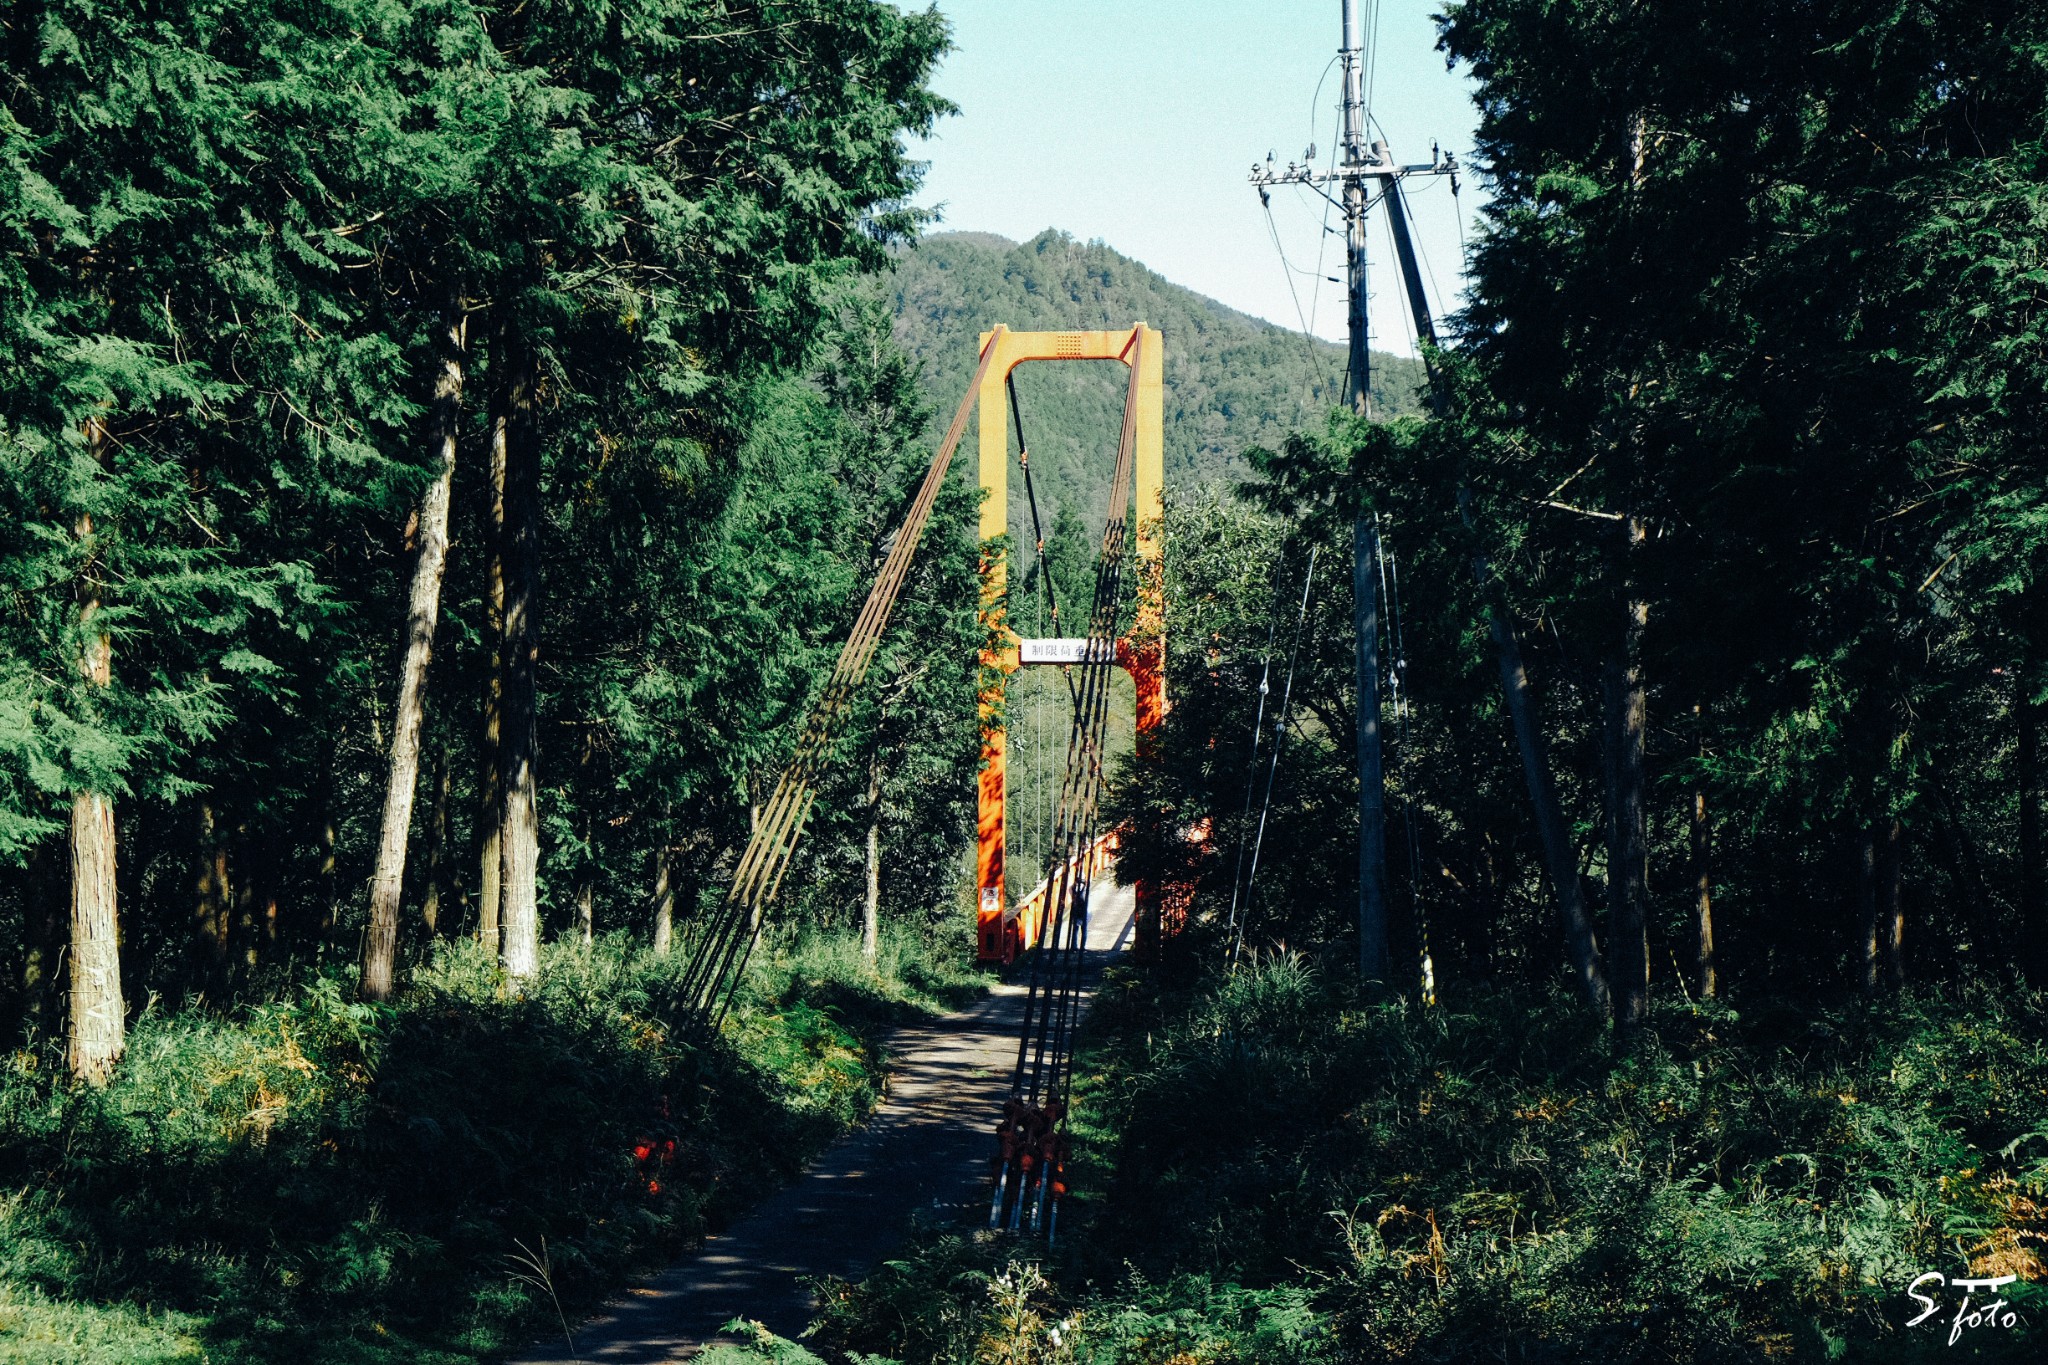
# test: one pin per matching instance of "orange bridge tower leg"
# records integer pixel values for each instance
(1142, 653)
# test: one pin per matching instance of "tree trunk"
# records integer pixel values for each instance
(437, 844)
(1627, 846)
(519, 644)
(664, 904)
(1702, 895)
(326, 870)
(1581, 947)
(2033, 931)
(586, 874)
(213, 894)
(1375, 969)
(491, 819)
(45, 922)
(248, 912)
(871, 906)
(1867, 898)
(1890, 904)
(387, 882)
(98, 1016)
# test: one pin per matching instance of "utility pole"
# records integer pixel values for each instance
(1359, 372)
(1359, 166)
(1373, 954)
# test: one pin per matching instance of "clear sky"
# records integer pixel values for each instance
(1135, 121)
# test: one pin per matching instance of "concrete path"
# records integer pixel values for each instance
(926, 1151)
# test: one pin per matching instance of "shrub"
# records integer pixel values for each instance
(1280, 1168)
(318, 1179)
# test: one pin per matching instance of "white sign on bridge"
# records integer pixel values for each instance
(1066, 651)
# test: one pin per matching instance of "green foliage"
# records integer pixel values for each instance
(970, 1300)
(1822, 445)
(327, 1180)
(38, 1330)
(672, 208)
(1283, 1174)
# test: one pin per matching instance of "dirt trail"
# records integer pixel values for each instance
(926, 1151)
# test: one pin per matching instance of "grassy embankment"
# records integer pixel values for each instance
(319, 1181)
(1276, 1173)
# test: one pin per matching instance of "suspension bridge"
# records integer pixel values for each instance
(975, 1123)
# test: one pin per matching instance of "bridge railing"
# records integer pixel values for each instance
(1003, 934)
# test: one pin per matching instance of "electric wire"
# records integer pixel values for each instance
(1440, 305)
(1464, 251)
(1280, 725)
(1315, 297)
(1251, 777)
(1317, 97)
(1397, 673)
(1318, 374)
(1372, 52)
(1422, 249)
(1401, 295)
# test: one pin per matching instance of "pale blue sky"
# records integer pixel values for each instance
(1135, 121)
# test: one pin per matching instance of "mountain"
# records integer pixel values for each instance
(1232, 380)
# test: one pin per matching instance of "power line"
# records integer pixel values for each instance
(1251, 777)
(1308, 580)
(1316, 373)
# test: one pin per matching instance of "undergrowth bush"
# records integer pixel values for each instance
(1281, 1173)
(317, 1179)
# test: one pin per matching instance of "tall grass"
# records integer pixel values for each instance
(315, 1179)
(1281, 1173)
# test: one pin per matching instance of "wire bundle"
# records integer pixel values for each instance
(1032, 1151)
(721, 953)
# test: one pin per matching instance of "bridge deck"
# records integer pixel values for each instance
(927, 1150)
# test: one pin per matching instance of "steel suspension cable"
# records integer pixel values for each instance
(722, 952)
(1074, 831)
(1052, 1000)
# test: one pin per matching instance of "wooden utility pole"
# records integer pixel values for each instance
(1378, 165)
(1358, 167)
(1365, 549)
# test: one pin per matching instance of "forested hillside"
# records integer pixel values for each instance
(1232, 381)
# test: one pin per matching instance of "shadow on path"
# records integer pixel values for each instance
(925, 1152)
